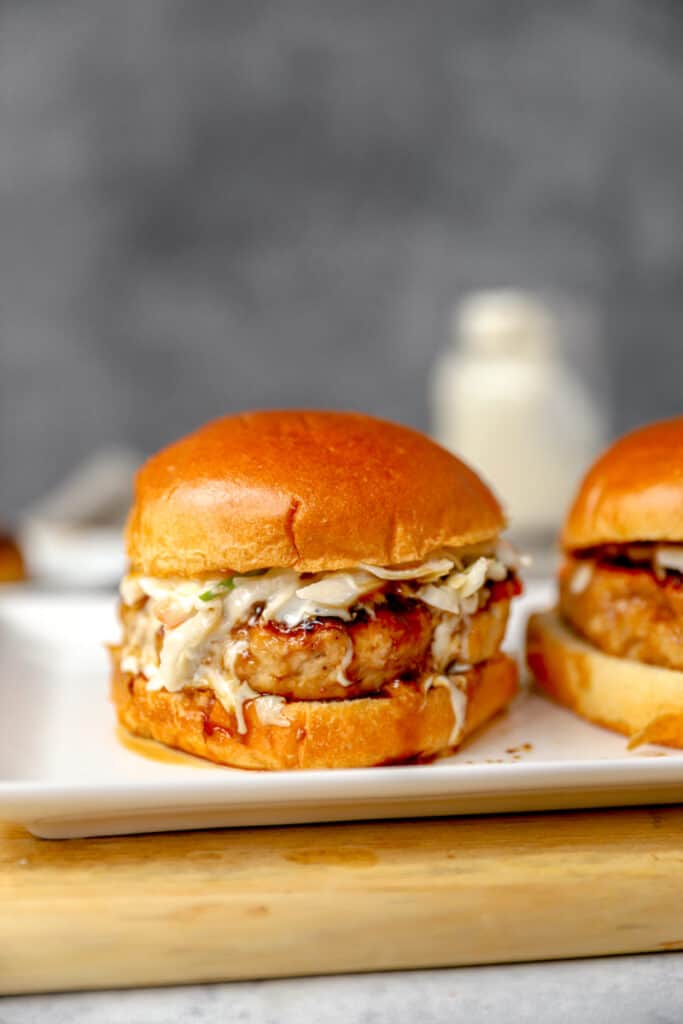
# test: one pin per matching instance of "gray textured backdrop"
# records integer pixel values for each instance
(207, 206)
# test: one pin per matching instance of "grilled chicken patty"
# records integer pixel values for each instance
(309, 663)
(626, 610)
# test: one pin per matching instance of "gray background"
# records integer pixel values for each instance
(209, 206)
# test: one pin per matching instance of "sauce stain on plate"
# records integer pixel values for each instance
(154, 751)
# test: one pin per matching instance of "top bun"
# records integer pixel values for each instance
(634, 492)
(312, 491)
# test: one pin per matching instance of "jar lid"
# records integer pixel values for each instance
(495, 323)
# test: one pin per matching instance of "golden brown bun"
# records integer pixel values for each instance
(308, 490)
(12, 568)
(401, 724)
(633, 492)
(642, 701)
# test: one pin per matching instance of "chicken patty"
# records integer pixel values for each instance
(625, 610)
(330, 660)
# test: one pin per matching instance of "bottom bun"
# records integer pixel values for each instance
(399, 724)
(645, 702)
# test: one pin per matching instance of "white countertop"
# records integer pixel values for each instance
(612, 990)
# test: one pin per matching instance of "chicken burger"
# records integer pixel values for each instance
(312, 589)
(613, 649)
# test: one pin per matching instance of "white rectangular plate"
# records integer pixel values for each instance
(64, 772)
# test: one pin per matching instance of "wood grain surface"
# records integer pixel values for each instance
(254, 903)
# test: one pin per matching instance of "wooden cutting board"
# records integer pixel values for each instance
(254, 903)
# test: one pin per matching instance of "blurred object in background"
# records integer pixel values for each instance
(74, 535)
(510, 397)
(273, 204)
(12, 568)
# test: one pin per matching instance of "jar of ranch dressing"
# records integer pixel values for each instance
(505, 399)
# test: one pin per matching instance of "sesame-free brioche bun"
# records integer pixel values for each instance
(644, 702)
(312, 491)
(396, 725)
(634, 492)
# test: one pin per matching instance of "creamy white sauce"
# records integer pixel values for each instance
(669, 556)
(581, 577)
(457, 690)
(232, 693)
(183, 649)
(442, 639)
(465, 640)
(340, 674)
(269, 710)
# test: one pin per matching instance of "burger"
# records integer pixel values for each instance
(312, 590)
(613, 649)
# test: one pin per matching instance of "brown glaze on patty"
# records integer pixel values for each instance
(306, 663)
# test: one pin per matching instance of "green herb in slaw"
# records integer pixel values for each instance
(226, 585)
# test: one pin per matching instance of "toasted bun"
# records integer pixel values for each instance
(642, 701)
(634, 492)
(400, 724)
(312, 491)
